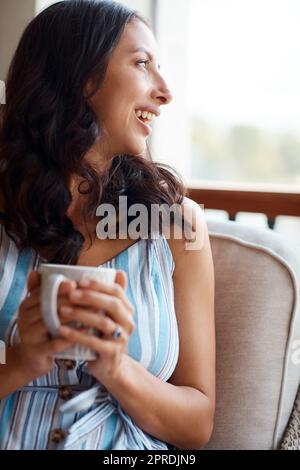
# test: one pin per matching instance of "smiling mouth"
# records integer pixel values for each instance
(144, 120)
(144, 116)
(146, 123)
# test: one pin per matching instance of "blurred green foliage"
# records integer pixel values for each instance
(244, 153)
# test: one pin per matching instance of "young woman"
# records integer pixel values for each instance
(73, 137)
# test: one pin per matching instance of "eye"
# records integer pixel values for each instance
(146, 62)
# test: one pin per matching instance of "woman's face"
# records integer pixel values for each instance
(132, 83)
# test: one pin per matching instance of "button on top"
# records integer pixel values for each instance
(57, 435)
(68, 364)
(65, 393)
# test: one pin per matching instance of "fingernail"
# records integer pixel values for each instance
(66, 310)
(84, 282)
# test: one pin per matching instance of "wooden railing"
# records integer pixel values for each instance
(271, 200)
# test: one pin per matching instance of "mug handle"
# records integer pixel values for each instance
(49, 292)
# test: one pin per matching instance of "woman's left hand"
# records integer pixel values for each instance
(88, 310)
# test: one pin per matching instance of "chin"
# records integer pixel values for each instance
(139, 150)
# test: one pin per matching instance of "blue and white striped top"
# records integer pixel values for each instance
(42, 415)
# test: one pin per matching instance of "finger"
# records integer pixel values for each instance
(35, 294)
(121, 279)
(32, 300)
(54, 346)
(28, 317)
(113, 306)
(33, 280)
(98, 345)
(30, 311)
(37, 333)
(96, 320)
(66, 287)
(63, 301)
(112, 289)
(33, 283)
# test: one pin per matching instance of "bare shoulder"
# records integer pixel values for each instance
(193, 280)
(184, 247)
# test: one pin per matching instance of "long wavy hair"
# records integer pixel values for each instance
(47, 127)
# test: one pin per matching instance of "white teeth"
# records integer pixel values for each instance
(145, 115)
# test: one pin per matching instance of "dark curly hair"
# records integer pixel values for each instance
(47, 127)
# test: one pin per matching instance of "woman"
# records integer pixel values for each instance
(72, 138)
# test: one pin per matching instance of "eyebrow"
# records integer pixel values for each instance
(143, 49)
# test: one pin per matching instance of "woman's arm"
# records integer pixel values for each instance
(177, 414)
(181, 411)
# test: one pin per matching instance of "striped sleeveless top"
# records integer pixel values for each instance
(68, 408)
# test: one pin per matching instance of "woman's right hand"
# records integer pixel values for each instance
(36, 348)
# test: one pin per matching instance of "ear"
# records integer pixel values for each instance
(89, 87)
(121, 279)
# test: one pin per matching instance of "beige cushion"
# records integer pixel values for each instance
(257, 324)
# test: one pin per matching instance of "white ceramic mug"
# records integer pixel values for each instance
(52, 275)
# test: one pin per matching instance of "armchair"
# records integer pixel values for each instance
(258, 335)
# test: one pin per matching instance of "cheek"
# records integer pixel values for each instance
(116, 101)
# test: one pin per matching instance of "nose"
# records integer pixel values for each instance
(162, 92)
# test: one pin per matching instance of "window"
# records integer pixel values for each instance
(235, 70)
